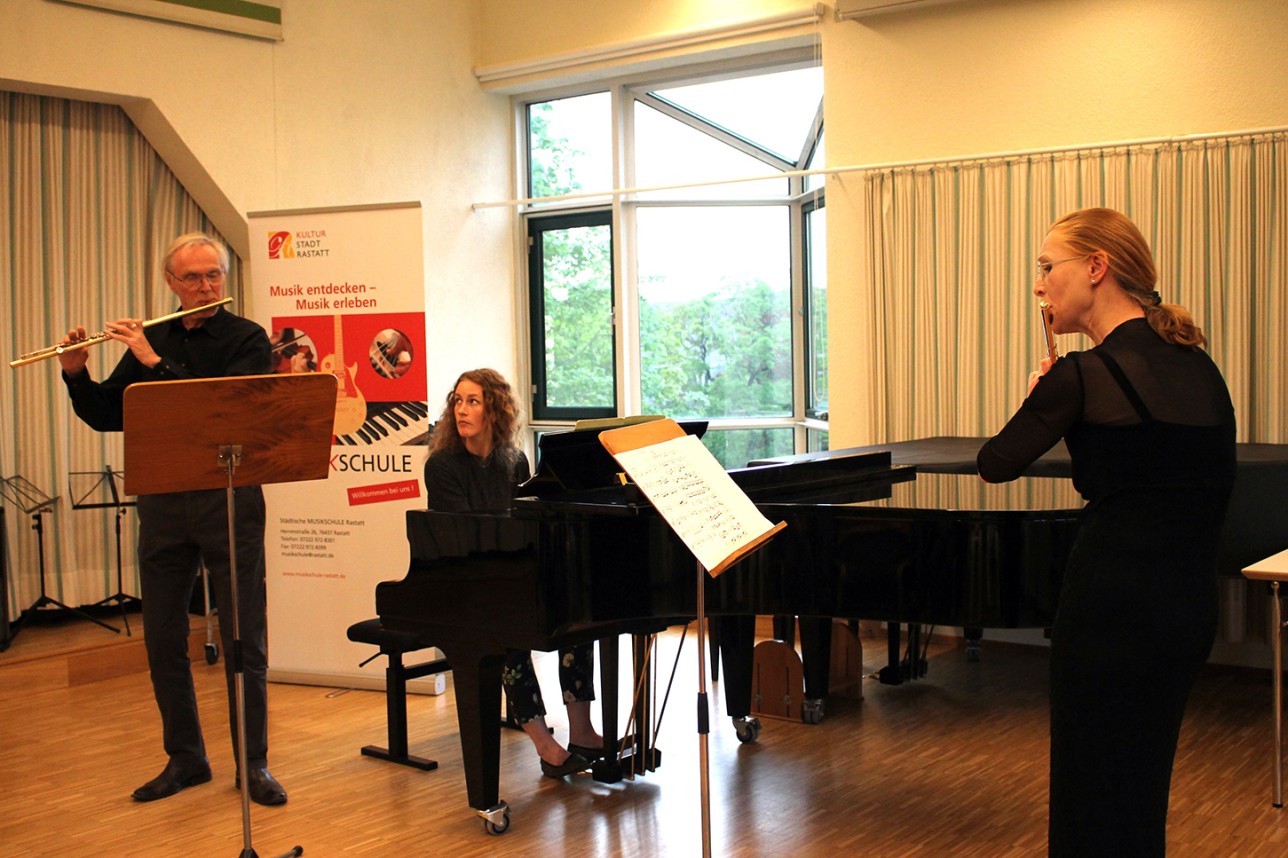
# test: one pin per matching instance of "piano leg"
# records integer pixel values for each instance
(477, 677)
(974, 637)
(607, 769)
(737, 636)
(816, 659)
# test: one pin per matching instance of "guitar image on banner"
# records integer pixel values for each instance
(350, 407)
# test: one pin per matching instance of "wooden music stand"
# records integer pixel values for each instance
(222, 433)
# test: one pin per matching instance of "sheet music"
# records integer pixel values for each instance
(707, 510)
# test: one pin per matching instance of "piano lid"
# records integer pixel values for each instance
(814, 478)
(575, 461)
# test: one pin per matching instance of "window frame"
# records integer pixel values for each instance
(535, 227)
(620, 214)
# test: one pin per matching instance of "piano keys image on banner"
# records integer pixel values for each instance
(391, 422)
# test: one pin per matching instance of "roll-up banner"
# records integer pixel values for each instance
(341, 291)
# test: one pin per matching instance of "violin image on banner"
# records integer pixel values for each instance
(1053, 351)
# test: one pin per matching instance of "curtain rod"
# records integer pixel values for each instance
(891, 165)
(664, 41)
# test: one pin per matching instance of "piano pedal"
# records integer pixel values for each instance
(496, 819)
(891, 674)
(914, 668)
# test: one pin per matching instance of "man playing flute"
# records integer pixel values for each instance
(181, 530)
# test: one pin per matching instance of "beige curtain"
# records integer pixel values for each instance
(951, 250)
(86, 207)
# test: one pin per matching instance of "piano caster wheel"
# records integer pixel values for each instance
(748, 729)
(812, 710)
(212, 653)
(496, 819)
(973, 650)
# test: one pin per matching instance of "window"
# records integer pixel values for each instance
(569, 145)
(694, 296)
(570, 281)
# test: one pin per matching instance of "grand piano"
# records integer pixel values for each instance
(581, 558)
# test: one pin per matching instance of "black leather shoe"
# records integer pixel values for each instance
(575, 763)
(173, 778)
(590, 752)
(264, 788)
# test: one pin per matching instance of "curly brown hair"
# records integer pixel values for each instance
(1093, 230)
(501, 408)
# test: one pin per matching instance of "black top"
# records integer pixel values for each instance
(1135, 411)
(224, 345)
(458, 481)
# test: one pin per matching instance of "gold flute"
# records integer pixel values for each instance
(1053, 351)
(104, 336)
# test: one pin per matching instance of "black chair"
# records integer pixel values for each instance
(395, 644)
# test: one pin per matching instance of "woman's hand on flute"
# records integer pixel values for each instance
(1044, 366)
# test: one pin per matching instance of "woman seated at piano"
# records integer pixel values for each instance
(1151, 433)
(474, 465)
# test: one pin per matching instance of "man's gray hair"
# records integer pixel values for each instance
(195, 239)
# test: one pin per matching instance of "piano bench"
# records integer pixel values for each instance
(395, 644)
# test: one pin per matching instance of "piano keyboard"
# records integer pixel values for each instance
(391, 423)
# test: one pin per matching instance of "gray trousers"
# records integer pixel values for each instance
(178, 532)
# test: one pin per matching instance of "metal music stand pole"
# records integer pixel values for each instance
(704, 714)
(232, 435)
(36, 503)
(107, 477)
(6, 634)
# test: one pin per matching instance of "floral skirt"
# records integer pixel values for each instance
(519, 679)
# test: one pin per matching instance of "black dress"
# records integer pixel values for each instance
(1151, 433)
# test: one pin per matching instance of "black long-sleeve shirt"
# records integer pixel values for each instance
(1187, 439)
(224, 345)
(458, 481)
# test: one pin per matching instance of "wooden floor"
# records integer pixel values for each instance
(952, 765)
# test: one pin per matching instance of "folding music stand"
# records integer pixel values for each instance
(107, 478)
(686, 489)
(32, 501)
(243, 431)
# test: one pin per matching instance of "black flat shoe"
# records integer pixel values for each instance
(172, 779)
(575, 763)
(264, 788)
(596, 752)
(590, 752)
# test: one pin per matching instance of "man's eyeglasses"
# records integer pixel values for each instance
(1044, 268)
(214, 278)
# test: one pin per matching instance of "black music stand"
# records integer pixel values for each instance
(32, 501)
(244, 431)
(89, 499)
